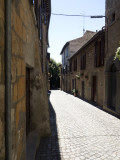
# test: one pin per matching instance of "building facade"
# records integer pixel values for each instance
(68, 50)
(24, 108)
(87, 69)
(112, 67)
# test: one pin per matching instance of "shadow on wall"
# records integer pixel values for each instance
(49, 146)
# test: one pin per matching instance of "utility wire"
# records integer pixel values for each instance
(71, 15)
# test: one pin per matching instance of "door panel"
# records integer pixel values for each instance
(83, 89)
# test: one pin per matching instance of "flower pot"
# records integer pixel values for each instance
(75, 94)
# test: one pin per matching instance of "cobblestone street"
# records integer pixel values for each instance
(80, 131)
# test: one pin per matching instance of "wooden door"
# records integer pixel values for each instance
(83, 89)
(94, 88)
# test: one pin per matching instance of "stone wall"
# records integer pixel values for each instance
(26, 51)
(112, 43)
(86, 75)
(2, 82)
(26, 54)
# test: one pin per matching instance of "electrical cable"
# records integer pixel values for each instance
(71, 15)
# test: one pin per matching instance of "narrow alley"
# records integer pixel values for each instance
(80, 131)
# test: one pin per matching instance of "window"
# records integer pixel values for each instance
(32, 2)
(66, 69)
(40, 14)
(70, 66)
(67, 52)
(72, 83)
(75, 65)
(113, 17)
(40, 23)
(83, 62)
(99, 52)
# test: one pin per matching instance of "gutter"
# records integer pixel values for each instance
(8, 48)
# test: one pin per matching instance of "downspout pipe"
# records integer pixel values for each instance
(8, 51)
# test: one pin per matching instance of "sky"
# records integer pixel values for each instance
(63, 28)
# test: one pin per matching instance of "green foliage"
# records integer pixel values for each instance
(74, 91)
(117, 55)
(79, 75)
(54, 70)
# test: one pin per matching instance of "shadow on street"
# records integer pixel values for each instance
(49, 146)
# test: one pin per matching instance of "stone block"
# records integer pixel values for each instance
(2, 100)
(0, 68)
(20, 129)
(18, 25)
(13, 118)
(19, 66)
(23, 104)
(15, 93)
(2, 33)
(21, 12)
(23, 68)
(24, 34)
(21, 45)
(18, 107)
(2, 138)
(14, 68)
(21, 87)
(15, 43)
(1, 9)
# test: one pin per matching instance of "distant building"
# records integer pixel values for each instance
(68, 50)
(87, 69)
(24, 108)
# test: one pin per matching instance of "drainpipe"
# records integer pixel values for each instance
(8, 48)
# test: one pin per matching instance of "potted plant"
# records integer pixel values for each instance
(74, 91)
(82, 74)
(86, 76)
(78, 76)
(117, 55)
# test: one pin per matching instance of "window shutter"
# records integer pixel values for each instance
(40, 23)
(32, 2)
(66, 69)
(76, 64)
(102, 50)
(81, 62)
(99, 54)
(85, 61)
(95, 56)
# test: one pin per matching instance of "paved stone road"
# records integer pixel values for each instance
(80, 131)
